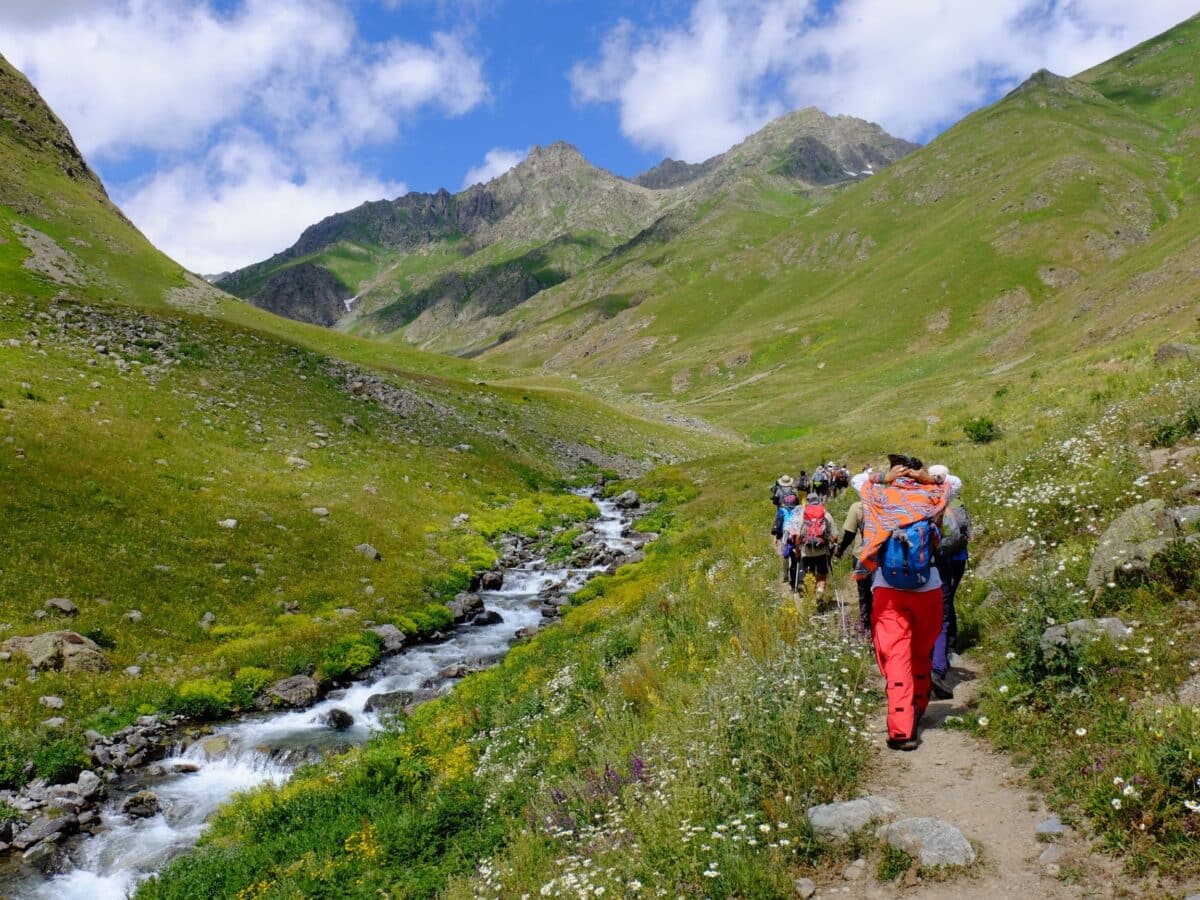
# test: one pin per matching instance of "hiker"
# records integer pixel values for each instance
(802, 482)
(783, 485)
(841, 480)
(900, 512)
(820, 482)
(951, 563)
(785, 512)
(810, 534)
(852, 528)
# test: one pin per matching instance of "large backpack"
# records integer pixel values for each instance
(819, 477)
(815, 535)
(907, 555)
(802, 482)
(954, 535)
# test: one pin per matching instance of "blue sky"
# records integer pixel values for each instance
(224, 127)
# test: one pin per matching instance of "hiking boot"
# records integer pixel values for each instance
(940, 689)
(905, 744)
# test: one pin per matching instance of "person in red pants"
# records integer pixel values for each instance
(900, 509)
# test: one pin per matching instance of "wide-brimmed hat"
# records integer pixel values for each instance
(785, 481)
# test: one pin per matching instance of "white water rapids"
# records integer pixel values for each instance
(245, 753)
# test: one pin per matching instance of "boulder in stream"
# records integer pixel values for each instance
(465, 605)
(296, 692)
(393, 637)
(338, 719)
(628, 500)
(488, 617)
(141, 805)
(392, 701)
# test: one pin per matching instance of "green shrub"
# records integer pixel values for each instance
(247, 684)
(101, 638)
(892, 863)
(981, 430)
(8, 814)
(59, 761)
(351, 655)
(1169, 432)
(14, 754)
(204, 698)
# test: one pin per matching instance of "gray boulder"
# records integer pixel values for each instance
(838, 821)
(491, 581)
(393, 637)
(44, 827)
(369, 552)
(628, 500)
(1134, 538)
(62, 606)
(141, 805)
(59, 650)
(465, 606)
(89, 785)
(296, 692)
(338, 719)
(1005, 556)
(488, 617)
(1189, 692)
(1081, 630)
(392, 701)
(1167, 353)
(932, 842)
(1186, 517)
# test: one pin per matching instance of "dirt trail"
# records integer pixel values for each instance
(959, 778)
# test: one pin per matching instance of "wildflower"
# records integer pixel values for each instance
(1129, 791)
(982, 720)
(1010, 655)
(1116, 802)
(764, 828)
(1192, 805)
(1004, 688)
(1080, 732)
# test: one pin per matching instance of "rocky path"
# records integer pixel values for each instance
(959, 779)
(955, 777)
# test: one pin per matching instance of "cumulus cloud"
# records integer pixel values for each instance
(187, 81)
(693, 90)
(496, 162)
(244, 201)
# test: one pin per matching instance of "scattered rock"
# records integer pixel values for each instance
(369, 552)
(89, 785)
(628, 500)
(141, 805)
(1168, 352)
(297, 462)
(465, 605)
(1134, 538)
(455, 671)
(1189, 692)
(1052, 855)
(399, 700)
(855, 870)
(460, 520)
(133, 671)
(59, 650)
(1075, 633)
(54, 722)
(805, 887)
(47, 857)
(1186, 517)
(1051, 826)
(320, 511)
(393, 637)
(525, 633)
(838, 821)
(932, 842)
(43, 828)
(228, 523)
(488, 617)
(134, 615)
(62, 606)
(207, 621)
(338, 719)
(51, 702)
(297, 692)
(1004, 557)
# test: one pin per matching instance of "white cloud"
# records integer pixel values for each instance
(243, 202)
(496, 162)
(692, 91)
(192, 83)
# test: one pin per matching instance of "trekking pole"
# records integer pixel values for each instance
(837, 595)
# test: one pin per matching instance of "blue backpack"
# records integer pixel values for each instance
(907, 556)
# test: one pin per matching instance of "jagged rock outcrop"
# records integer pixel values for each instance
(58, 650)
(306, 292)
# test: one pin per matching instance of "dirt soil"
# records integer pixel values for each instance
(957, 777)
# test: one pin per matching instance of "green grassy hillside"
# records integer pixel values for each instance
(1045, 226)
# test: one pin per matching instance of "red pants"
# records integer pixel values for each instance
(906, 624)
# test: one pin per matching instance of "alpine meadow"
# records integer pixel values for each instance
(432, 556)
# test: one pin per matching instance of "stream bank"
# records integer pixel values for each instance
(103, 835)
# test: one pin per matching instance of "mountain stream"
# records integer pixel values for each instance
(265, 748)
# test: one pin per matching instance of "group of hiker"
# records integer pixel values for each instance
(913, 534)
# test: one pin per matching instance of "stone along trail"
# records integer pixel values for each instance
(1021, 849)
